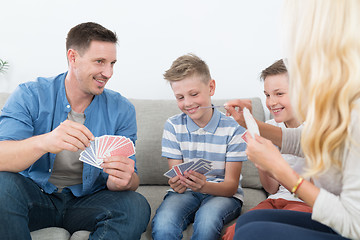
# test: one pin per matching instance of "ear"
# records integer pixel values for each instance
(212, 87)
(71, 56)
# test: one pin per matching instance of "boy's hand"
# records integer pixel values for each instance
(193, 180)
(175, 183)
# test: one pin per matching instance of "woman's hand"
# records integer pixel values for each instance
(234, 108)
(266, 156)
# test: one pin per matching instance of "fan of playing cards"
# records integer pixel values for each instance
(201, 166)
(106, 146)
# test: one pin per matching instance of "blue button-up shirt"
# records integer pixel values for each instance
(38, 107)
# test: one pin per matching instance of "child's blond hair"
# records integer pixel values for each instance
(187, 66)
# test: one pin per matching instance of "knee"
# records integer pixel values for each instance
(131, 210)
(142, 205)
(251, 231)
(166, 220)
(10, 182)
(165, 226)
(208, 226)
(10, 190)
(249, 217)
(161, 219)
(9, 179)
(139, 207)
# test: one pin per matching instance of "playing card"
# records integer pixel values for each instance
(203, 170)
(126, 150)
(199, 163)
(90, 152)
(119, 142)
(114, 141)
(89, 161)
(250, 123)
(177, 170)
(185, 166)
(170, 174)
(106, 146)
(201, 166)
(86, 154)
(244, 136)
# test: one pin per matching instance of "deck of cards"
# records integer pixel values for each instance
(201, 166)
(106, 146)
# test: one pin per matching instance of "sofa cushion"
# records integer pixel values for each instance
(50, 233)
(3, 98)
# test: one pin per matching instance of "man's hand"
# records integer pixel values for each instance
(69, 135)
(121, 172)
(234, 109)
(175, 183)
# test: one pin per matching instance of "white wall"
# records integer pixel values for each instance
(237, 38)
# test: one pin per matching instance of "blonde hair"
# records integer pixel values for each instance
(186, 66)
(323, 47)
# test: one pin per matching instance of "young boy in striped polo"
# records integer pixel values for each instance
(200, 132)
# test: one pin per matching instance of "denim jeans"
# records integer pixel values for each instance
(274, 224)
(209, 214)
(24, 207)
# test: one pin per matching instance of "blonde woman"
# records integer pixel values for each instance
(324, 67)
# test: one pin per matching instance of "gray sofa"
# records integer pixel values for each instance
(151, 116)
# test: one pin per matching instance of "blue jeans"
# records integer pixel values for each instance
(24, 207)
(209, 214)
(281, 224)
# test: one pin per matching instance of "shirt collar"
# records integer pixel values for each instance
(93, 104)
(210, 127)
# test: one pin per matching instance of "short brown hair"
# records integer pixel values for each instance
(80, 36)
(186, 66)
(276, 68)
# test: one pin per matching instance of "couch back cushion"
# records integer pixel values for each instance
(3, 97)
(151, 116)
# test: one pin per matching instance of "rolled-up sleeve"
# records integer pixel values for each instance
(291, 141)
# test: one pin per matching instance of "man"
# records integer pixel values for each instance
(43, 128)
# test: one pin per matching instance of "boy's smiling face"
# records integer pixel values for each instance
(276, 89)
(192, 93)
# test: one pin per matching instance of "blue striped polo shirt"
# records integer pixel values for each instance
(219, 142)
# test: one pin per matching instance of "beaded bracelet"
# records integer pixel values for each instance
(297, 185)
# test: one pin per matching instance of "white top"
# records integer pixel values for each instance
(295, 162)
(338, 203)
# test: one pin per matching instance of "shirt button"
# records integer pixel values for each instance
(68, 106)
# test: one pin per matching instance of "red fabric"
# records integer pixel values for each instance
(283, 204)
(271, 204)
